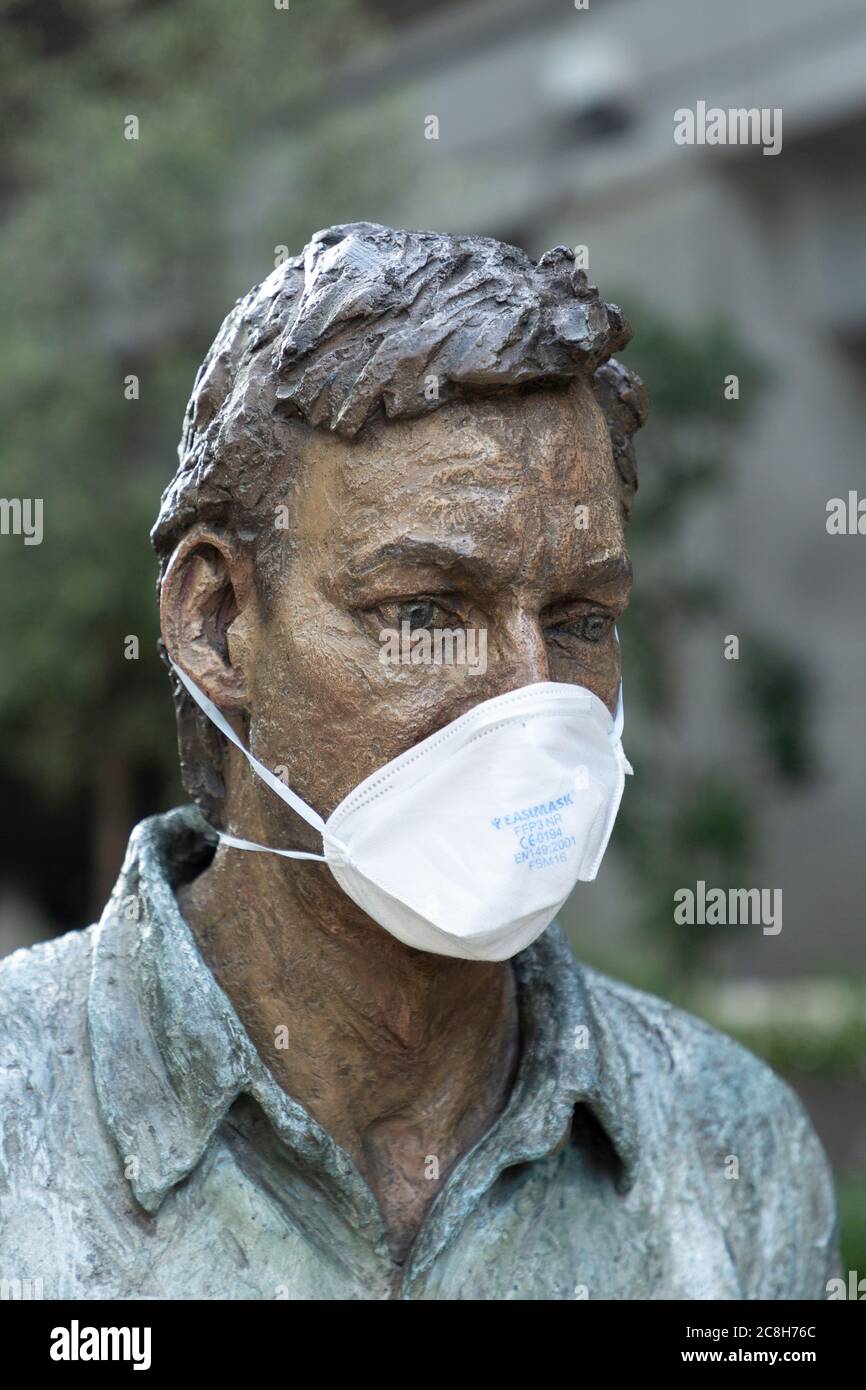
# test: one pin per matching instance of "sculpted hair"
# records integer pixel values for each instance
(369, 321)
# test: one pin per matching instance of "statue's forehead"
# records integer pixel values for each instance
(488, 475)
(469, 442)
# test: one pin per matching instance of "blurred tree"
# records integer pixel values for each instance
(118, 258)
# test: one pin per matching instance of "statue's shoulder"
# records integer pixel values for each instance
(698, 1068)
(43, 1006)
(707, 1100)
(61, 960)
(709, 1097)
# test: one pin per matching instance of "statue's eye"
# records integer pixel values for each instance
(420, 613)
(595, 626)
(417, 614)
(583, 627)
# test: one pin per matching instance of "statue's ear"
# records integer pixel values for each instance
(206, 609)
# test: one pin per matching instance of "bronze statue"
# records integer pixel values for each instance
(240, 1084)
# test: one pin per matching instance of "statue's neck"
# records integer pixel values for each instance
(398, 1054)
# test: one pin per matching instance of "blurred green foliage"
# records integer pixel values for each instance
(816, 1027)
(851, 1197)
(118, 258)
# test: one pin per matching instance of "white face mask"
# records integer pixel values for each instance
(469, 843)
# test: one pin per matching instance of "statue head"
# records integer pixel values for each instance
(396, 434)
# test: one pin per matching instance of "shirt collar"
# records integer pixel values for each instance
(170, 1055)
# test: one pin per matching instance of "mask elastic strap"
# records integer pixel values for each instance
(235, 843)
(285, 793)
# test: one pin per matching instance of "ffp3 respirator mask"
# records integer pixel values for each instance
(469, 842)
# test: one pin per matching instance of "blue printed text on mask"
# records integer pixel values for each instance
(539, 832)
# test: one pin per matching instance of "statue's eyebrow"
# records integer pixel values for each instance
(591, 574)
(459, 555)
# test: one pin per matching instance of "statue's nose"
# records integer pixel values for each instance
(522, 657)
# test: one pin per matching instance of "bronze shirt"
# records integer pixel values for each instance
(146, 1151)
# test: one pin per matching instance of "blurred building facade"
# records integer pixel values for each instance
(556, 125)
